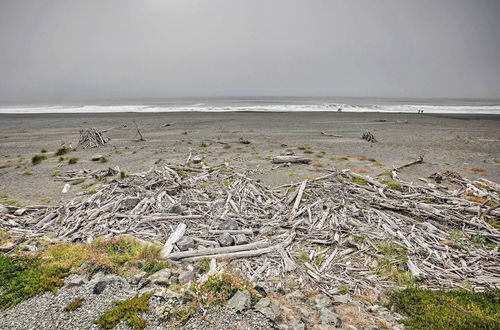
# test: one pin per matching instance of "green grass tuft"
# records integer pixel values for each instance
(73, 160)
(62, 151)
(359, 180)
(37, 159)
(74, 304)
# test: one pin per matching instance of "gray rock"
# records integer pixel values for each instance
(371, 327)
(240, 301)
(99, 286)
(225, 239)
(3, 210)
(267, 230)
(328, 316)
(319, 301)
(136, 278)
(100, 282)
(186, 276)
(240, 239)
(323, 327)
(228, 225)
(185, 243)
(305, 313)
(20, 211)
(197, 159)
(130, 202)
(161, 277)
(352, 242)
(295, 295)
(177, 209)
(341, 299)
(374, 308)
(77, 280)
(95, 158)
(268, 307)
(7, 247)
(350, 327)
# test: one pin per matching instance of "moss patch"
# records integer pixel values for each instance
(359, 180)
(456, 309)
(74, 304)
(126, 310)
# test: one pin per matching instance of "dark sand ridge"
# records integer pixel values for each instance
(448, 142)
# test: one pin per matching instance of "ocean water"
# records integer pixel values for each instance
(456, 106)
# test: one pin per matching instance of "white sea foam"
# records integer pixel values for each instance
(202, 107)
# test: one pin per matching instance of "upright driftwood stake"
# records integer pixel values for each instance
(138, 135)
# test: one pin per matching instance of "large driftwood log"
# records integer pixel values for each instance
(214, 251)
(291, 159)
(176, 235)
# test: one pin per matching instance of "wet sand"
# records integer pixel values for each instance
(447, 142)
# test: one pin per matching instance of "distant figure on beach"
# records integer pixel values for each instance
(339, 109)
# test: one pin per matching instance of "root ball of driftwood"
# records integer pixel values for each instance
(368, 136)
(92, 138)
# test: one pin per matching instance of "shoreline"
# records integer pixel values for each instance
(447, 142)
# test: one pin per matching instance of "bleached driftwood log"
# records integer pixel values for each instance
(291, 159)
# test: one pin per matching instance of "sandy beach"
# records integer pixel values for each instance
(468, 144)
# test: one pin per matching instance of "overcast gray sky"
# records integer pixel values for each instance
(63, 50)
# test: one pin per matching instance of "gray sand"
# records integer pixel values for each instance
(448, 142)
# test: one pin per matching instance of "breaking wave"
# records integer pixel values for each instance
(202, 107)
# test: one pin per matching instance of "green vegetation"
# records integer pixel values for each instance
(46, 200)
(340, 158)
(123, 174)
(204, 264)
(342, 289)
(61, 159)
(73, 160)
(25, 275)
(126, 310)
(37, 159)
(103, 159)
(391, 184)
(62, 151)
(55, 173)
(455, 309)
(203, 145)
(90, 191)
(458, 238)
(43, 151)
(181, 172)
(74, 304)
(22, 277)
(308, 151)
(359, 180)
(27, 173)
(392, 264)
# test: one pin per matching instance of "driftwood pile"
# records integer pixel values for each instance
(328, 233)
(92, 138)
